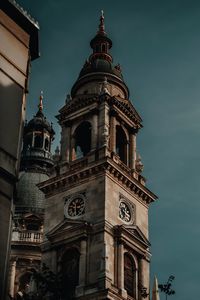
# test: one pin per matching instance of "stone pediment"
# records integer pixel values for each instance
(127, 107)
(32, 217)
(66, 227)
(132, 232)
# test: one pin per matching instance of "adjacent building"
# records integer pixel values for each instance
(18, 47)
(27, 234)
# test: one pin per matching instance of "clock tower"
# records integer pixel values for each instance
(96, 217)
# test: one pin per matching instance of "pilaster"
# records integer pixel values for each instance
(12, 278)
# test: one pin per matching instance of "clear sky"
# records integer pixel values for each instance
(157, 44)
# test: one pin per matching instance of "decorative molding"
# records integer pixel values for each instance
(64, 181)
(132, 237)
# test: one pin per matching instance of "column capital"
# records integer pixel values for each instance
(113, 112)
(68, 123)
(134, 130)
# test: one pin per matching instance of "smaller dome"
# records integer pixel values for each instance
(38, 122)
(28, 194)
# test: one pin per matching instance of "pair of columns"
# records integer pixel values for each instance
(68, 143)
(142, 276)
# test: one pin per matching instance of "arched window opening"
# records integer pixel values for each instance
(121, 144)
(83, 139)
(103, 48)
(129, 275)
(97, 48)
(69, 273)
(46, 144)
(28, 142)
(38, 142)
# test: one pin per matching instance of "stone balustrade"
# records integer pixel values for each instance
(27, 236)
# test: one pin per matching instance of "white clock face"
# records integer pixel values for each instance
(75, 207)
(124, 212)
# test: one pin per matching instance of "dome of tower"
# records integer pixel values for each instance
(38, 122)
(98, 66)
(29, 197)
(37, 139)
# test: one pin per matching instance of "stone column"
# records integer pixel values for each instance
(121, 270)
(12, 278)
(65, 142)
(113, 131)
(143, 275)
(82, 263)
(132, 153)
(94, 131)
(33, 139)
(141, 272)
(82, 269)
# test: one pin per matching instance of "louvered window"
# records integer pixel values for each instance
(129, 275)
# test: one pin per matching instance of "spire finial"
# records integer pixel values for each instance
(40, 105)
(101, 25)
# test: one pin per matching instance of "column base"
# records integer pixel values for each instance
(79, 291)
(123, 293)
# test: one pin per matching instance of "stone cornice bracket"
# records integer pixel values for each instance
(63, 181)
(104, 97)
(113, 112)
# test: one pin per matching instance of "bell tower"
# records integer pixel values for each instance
(28, 219)
(96, 219)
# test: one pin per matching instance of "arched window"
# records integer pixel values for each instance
(38, 142)
(97, 48)
(121, 144)
(82, 139)
(69, 273)
(103, 48)
(28, 142)
(129, 275)
(46, 144)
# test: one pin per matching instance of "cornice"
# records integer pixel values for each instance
(132, 237)
(76, 104)
(64, 181)
(127, 108)
(123, 105)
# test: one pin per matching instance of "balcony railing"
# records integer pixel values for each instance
(27, 237)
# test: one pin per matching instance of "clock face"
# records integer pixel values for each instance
(76, 207)
(124, 212)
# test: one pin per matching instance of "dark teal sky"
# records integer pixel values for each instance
(157, 44)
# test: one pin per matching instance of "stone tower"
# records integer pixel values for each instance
(96, 218)
(27, 235)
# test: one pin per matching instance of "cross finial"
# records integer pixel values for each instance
(40, 105)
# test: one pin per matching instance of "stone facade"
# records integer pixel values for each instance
(18, 47)
(96, 214)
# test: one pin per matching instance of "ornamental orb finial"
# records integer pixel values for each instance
(40, 105)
